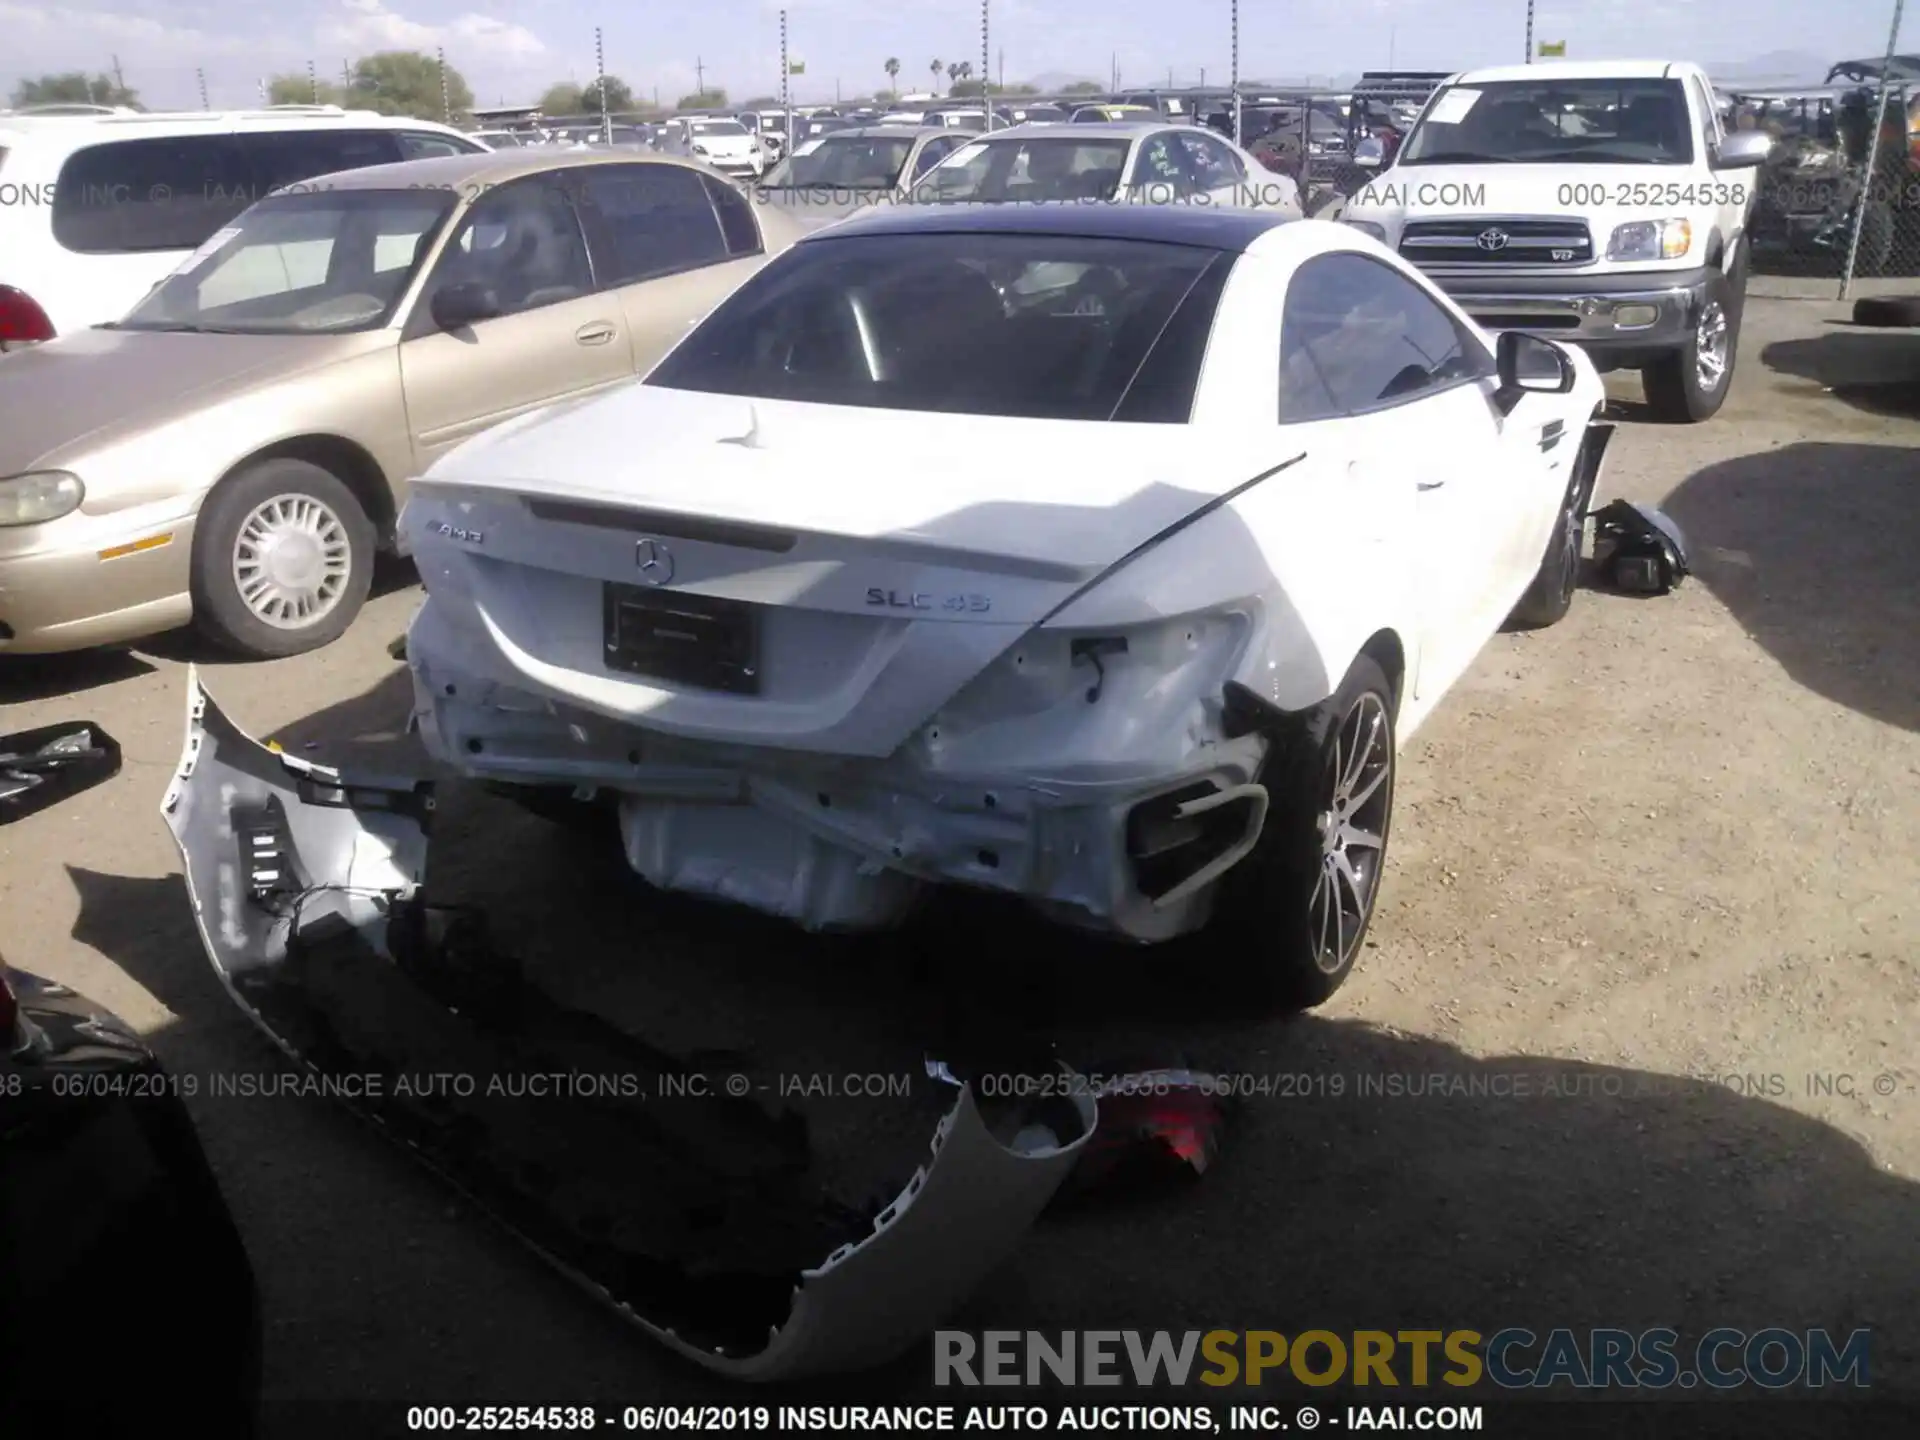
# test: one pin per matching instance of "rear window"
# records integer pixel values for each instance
(131, 196)
(1042, 326)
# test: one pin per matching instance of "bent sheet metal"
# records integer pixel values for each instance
(696, 1220)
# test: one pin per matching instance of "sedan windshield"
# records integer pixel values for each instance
(1613, 122)
(717, 127)
(1032, 169)
(303, 263)
(844, 162)
(1048, 326)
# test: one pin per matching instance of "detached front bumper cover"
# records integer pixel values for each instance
(694, 1218)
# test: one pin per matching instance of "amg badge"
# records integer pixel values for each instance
(454, 532)
(920, 600)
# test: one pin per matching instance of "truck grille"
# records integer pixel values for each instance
(1483, 241)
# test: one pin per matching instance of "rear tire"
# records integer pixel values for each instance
(282, 560)
(1292, 917)
(1690, 384)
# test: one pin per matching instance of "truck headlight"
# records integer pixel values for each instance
(37, 498)
(1650, 240)
(1367, 227)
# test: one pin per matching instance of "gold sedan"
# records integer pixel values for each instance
(236, 450)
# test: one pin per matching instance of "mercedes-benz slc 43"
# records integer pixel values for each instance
(1103, 556)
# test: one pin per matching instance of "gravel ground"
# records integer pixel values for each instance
(1668, 838)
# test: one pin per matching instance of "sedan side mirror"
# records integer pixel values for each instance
(455, 307)
(1743, 150)
(1529, 364)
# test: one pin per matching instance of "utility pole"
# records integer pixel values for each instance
(346, 79)
(446, 102)
(1003, 70)
(201, 76)
(699, 77)
(600, 84)
(119, 80)
(1529, 32)
(313, 85)
(1236, 77)
(986, 68)
(786, 89)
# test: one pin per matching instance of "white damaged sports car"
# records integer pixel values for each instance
(1102, 556)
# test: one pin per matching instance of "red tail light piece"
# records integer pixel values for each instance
(22, 321)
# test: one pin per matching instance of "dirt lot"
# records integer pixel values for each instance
(1674, 837)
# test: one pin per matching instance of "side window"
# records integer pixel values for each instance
(737, 225)
(133, 196)
(422, 144)
(933, 153)
(649, 220)
(523, 242)
(1160, 162)
(1356, 335)
(287, 157)
(1215, 166)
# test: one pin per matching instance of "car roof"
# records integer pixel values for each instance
(77, 131)
(1199, 225)
(1086, 130)
(463, 173)
(890, 132)
(1551, 70)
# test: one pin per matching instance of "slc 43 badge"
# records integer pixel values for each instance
(921, 600)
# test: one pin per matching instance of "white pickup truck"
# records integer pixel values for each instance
(1599, 203)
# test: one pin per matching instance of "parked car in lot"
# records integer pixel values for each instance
(235, 449)
(1096, 555)
(98, 208)
(1600, 201)
(833, 176)
(108, 1209)
(724, 143)
(1152, 163)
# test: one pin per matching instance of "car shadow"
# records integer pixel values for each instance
(27, 678)
(1811, 547)
(1368, 1180)
(1877, 371)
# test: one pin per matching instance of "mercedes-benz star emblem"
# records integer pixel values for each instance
(655, 562)
(1491, 239)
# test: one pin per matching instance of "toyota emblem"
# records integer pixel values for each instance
(655, 562)
(1491, 239)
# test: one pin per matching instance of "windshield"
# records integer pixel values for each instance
(1048, 326)
(320, 261)
(843, 162)
(718, 127)
(1033, 169)
(1613, 122)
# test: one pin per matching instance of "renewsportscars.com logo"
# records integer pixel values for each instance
(1513, 1358)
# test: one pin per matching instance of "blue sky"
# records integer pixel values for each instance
(510, 49)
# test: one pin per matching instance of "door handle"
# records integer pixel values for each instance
(1425, 485)
(596, 334)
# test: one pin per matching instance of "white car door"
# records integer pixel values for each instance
(1363, 341)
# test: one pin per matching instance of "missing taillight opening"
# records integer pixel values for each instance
(22, 321)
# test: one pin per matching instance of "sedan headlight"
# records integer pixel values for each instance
(1650, 240)
(37, 498)
(1367, 227)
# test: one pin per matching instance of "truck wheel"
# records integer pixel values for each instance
(1690, 384)
(282, 560)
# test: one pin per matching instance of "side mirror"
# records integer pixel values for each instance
(1370, 153)
(1743, 150)
(1529, 364)
(455, 307)
(40, 768)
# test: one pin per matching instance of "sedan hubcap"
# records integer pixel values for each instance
(291, 561)
(1710, 346)
(1353, 832)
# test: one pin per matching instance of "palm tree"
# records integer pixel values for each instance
(892, 68)
(953, 76)
(966, 69)
(936, 67)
